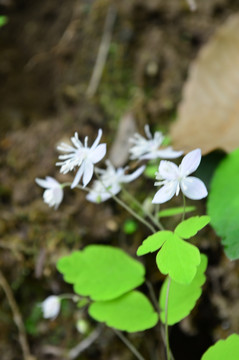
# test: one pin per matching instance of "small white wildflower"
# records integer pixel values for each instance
(51, 307)
(149, 148)
(173, 178)
(109, 183)
(83, 156)
(53, 194)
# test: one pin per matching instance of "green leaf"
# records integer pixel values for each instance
(101, 272)
(154, 242)
(182, 298)
(223, 203)
(3, 20)
(131, 312)
(176, 211)
(224, 349)
(178, 259)
(191, 226)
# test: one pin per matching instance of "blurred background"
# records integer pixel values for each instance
(81, 65)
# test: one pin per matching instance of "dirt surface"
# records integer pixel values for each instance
(48, 53)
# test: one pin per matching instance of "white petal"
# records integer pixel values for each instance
(133, 176)
(97, 154)
(97, 140)
(43, 183)
(165, 193)
(147, 131)
(98, 197)
(53, 182)
(78, 176)
(76, 141)
(65, 147)
(190, 162)
(58, 196)
(167, 153)
(88, 172)
(168, 170)
(193, 188)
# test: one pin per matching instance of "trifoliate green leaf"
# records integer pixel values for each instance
(154, 242)
(101, 272)
(176, 211)
(223, 203)
(224, 349)
(191, 226)
(131, 312)
(178, 259)
(182, 298)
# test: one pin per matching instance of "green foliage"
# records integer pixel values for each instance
(182, 298)
(150, 170)
(154, 242)
(224, 349)
(101, 272)
(176, 211)
(3, 20)
(190, 227)
(130, 312)
(223, 203)
(178, 259)
(130, 226)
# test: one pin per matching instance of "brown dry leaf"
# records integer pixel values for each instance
(208, 115)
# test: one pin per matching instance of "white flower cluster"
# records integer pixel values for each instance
(109, 181)
(147, 149)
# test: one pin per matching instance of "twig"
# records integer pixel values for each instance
(129, 344)
(103, 51)
(83, 345)
(17, 318)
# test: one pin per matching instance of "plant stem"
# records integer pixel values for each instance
(184, 207)
(126, 207)
(152, 295)
(129, 345)
(147, 213)
(166, 321)
(133, 213)
(77, 186)
(84, 344)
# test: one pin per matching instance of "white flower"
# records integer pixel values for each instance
(83, 156)
(147, 149)
(53, 194)
(51, 307)
(173, 178)
(110, 182)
